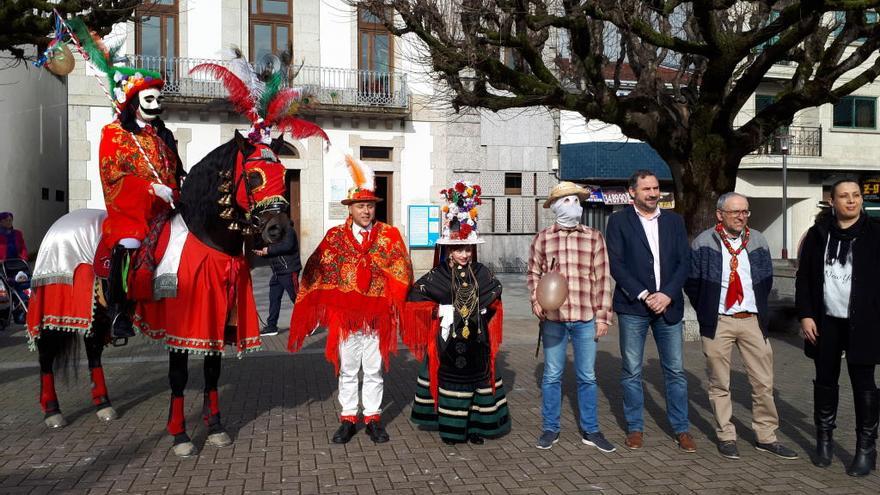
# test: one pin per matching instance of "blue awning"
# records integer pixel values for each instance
(584, 162)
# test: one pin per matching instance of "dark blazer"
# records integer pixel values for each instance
(284, 254)
(632, 264)
(864, 304)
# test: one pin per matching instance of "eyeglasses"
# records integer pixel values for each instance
(737, 213)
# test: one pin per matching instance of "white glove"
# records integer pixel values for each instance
(163, 192)
(447, 316)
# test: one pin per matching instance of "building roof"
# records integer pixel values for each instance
(609, 160)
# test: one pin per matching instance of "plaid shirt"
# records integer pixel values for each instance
(581, 256)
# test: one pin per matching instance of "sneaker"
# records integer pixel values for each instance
(267, 331)
(547, 439)
(728, 449)
(597, 439)
(776, 449)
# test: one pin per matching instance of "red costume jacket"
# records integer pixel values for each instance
(127, 180)
(348, 287)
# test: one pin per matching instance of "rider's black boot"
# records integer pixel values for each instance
(117, 299)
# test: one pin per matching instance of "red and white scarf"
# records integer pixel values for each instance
(734, 287)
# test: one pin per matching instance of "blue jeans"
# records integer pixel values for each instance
(555, 337)
(633, 332)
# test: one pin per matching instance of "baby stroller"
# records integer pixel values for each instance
(15, 291)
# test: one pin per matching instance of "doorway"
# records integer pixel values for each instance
(291, 179)
(384, 189)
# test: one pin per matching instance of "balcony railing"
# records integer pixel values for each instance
(802, 141)
(329, 86)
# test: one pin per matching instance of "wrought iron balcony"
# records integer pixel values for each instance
(341, 89)
(802, 141)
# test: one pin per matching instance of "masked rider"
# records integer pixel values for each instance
(140, 175)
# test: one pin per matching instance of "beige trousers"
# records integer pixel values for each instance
(758, 359)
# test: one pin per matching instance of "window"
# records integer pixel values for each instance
(157, 34)
(858, 112)
(513, 184)
(871, 17)
(375, 54)
(376, 153)
(762, 102)
(270, 27)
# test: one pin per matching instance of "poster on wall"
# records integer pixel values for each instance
(423, 225)
(871, 189)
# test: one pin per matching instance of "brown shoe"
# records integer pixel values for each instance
(686, 442)
(633, 440)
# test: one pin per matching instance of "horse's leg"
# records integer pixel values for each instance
(178, 374)
(217, 435)
(94, 348)
(49, 346)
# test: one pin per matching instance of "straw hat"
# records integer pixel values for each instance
(564, 189)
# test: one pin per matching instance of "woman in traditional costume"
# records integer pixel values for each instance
(454, 316)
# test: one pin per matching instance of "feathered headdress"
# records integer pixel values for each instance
(122, 82)
(262, 97)
(364, 183)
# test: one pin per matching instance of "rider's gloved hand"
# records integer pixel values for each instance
(163, 192)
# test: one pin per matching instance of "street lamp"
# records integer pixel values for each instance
(784, 140)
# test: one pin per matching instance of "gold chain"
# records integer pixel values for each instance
(465, 296)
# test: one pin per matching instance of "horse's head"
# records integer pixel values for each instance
(259, 190)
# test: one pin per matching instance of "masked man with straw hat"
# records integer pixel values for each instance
(579, 253)
(355, 284)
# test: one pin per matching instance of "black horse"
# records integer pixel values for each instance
(235, 192)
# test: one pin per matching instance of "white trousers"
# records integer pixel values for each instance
(360, 351)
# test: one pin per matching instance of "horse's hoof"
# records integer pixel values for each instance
(107, 414)
(221, 439)
(185, 449)
(56, 421)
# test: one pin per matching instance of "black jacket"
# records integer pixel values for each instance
(284, 255)
(864, 305)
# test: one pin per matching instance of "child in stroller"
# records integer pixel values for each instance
(15, 291)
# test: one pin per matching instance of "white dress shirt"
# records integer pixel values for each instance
(357, 229)
(652, 232)
(744, 270)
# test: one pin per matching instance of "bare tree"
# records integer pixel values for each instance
(672, 73)
(29, 22)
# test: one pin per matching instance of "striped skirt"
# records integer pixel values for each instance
(464, 409)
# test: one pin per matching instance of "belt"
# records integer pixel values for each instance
(742, 315)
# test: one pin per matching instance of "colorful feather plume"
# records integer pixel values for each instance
(100, 55)
(362, 175)
(240, 94)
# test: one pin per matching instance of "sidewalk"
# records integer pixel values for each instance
(281, 411)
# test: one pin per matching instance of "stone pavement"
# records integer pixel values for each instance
(281, 411)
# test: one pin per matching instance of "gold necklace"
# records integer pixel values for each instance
(465, 296)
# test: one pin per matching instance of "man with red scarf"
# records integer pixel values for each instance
(355, 284)
(729, 284)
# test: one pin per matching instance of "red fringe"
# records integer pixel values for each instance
(496, 326)
(419, 326)
(333, 309)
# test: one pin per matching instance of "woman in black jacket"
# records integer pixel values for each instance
(839, 309)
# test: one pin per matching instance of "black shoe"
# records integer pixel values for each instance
(867, 410)
(776, 449)
(377, 432)
(346, 430)
(450, 442)
(825, 418)
(728, 449)
(267, 331)
(476, 439)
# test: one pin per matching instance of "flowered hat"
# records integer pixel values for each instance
(124, 82)
(459, 214)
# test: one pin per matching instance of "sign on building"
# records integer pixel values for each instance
(423, 225)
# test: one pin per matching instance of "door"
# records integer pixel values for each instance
(384, 189)
(293, 196)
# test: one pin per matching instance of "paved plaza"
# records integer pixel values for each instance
(280, 409)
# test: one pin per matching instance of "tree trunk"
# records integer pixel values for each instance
(697, 192)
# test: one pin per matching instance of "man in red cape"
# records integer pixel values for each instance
(355, 284)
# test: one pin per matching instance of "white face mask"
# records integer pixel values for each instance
(149, 104)
(568, 210)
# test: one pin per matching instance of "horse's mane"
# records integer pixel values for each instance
(200, 191)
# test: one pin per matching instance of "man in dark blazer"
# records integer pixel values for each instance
(650, 260)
